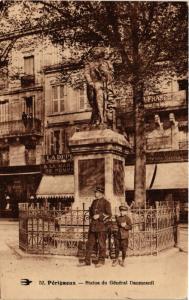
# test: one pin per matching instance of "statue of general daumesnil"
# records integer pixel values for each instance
(99, 77)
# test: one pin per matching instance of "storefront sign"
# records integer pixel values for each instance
(165, 100)
(61, 168)
(58, 157)
(155, 101)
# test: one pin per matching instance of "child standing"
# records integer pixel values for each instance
(122, 236)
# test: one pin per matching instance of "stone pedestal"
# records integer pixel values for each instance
(99, 159)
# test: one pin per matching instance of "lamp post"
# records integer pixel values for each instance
(32, 201)
(7, 208)
(8, 202)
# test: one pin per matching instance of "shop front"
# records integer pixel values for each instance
(56, 191)
(56, 187)
(17, 186)
(166, 183)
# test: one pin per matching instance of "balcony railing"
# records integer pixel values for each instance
(159, 143)
(14, 128)
(156, 101)
(27, 81)
(164, 143)
(183, 145)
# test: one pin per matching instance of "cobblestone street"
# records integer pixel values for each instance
(167, 271)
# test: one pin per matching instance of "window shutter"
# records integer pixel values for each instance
(63, 141)
(81, 99)
(51, 142)
(4, 111)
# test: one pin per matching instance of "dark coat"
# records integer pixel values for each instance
(123, 232)
(103, 208)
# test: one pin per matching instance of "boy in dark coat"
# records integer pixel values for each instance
(122, 235)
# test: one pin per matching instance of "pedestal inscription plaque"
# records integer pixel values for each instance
(91, 173)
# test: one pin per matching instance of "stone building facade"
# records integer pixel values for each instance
(166, 144)
(22, 120)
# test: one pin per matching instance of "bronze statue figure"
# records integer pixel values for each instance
(99, 77)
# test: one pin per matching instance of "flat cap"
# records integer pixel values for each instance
(99, 189)
(123, 207)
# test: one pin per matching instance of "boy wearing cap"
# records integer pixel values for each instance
(122, 236)
(99, 212)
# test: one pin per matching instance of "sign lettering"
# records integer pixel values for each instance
(61, 168)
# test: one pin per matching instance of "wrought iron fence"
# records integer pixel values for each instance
(64, 231)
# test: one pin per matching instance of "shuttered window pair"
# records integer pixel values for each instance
(56, 142)
(59, 95)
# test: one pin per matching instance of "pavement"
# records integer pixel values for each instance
(183, 237)
(59, 277)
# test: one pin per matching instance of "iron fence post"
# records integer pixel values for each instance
(157, 229)
(151, 231)
(83, 223)
(176, 227)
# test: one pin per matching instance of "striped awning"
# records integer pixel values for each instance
(160, 176)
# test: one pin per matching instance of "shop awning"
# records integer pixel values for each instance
(129, 176)
(56, 186)
(161, 176)
(171, 176)
(18, 174)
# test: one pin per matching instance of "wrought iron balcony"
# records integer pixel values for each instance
(183, 145)
(159, 143)
(19, 128)
(164, 143)
(27, 81)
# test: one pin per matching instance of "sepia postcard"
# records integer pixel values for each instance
(93, 150)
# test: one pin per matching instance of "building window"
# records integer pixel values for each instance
(4, 110)
(29, 65)
(29, 105)
(4, 75)
(59, 95)
(81, 99)
(183, 84)
(57, 142)
(51, 143)
(64, 140)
